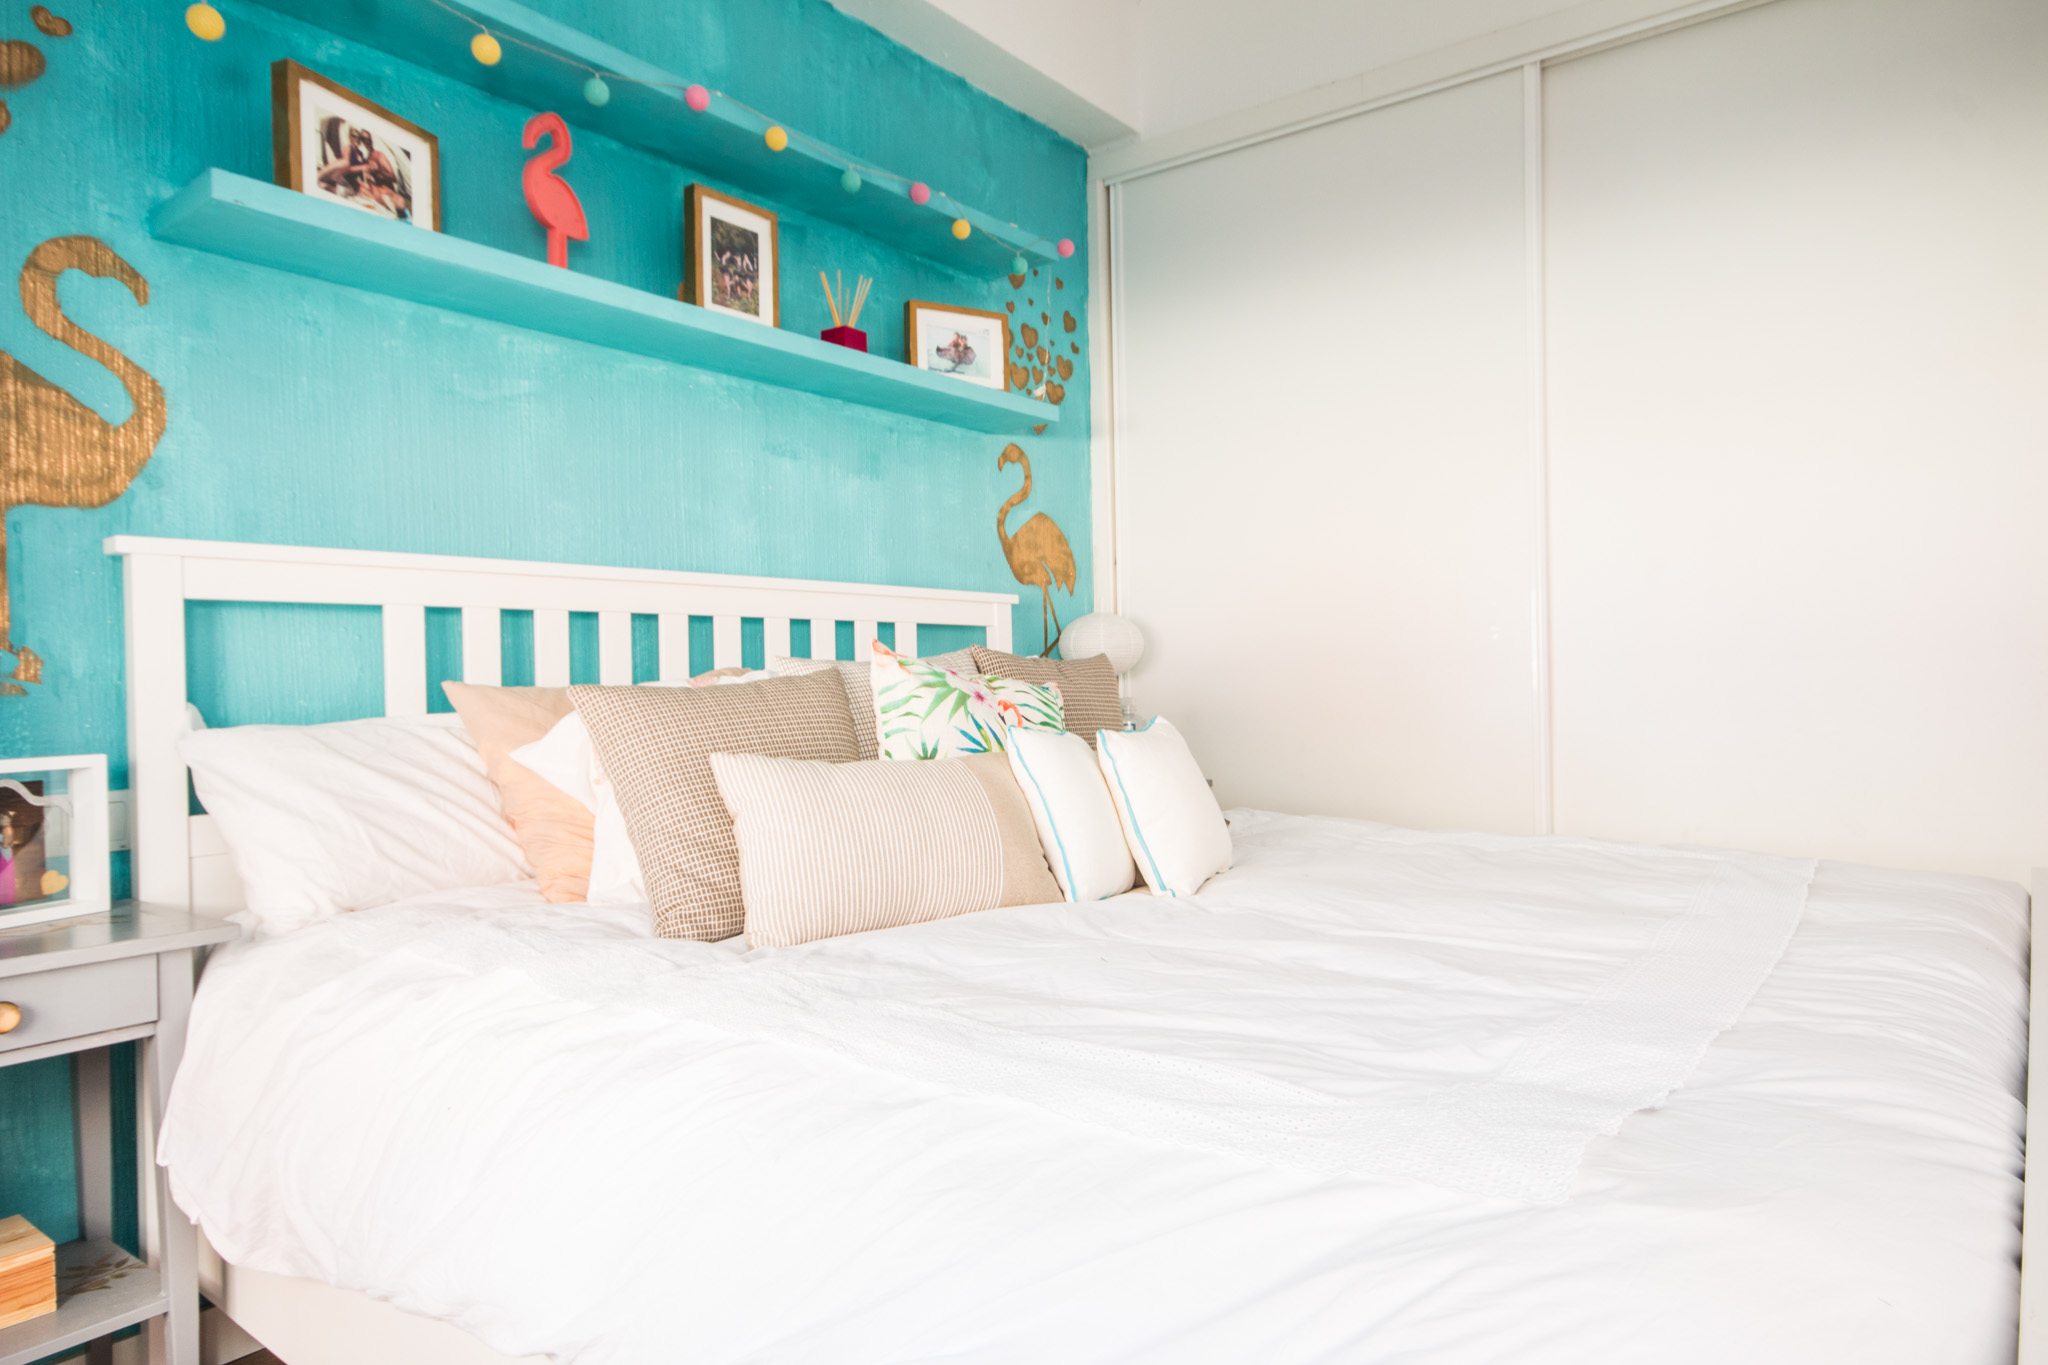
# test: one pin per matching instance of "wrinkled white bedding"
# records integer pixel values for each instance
(532, 1122)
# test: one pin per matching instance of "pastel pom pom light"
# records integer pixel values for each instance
(920, 193)
(961, 227)
(698, 98)
(205, 22)
(776, 138)
(1066, 246)
(597, 92)
(850, 182)
(485, 49)
(1018, 265)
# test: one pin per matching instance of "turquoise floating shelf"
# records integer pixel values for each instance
(723, 142)
(232, 215)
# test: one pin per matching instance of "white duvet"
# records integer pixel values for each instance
(1373, 1096)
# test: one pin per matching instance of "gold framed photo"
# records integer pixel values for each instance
(734, 257)
(967, 343)
(331, 143)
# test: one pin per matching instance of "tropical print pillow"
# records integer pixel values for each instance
(925, 711)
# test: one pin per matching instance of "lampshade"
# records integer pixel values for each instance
(1104, 632)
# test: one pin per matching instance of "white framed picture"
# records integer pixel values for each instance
(968, 343)
(331, 143)
(53, 839)
(734, 257)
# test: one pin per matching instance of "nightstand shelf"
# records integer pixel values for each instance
(100, 1290)
(81, 986)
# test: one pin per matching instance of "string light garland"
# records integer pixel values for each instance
(488, 50)
(205, 22)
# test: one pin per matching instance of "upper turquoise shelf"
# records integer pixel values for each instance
(724, 141)
(251, 220)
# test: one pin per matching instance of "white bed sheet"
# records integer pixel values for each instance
(559, 1173)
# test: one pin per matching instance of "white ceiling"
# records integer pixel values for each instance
(1107, 71)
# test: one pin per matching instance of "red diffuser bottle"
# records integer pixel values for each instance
(843, 332)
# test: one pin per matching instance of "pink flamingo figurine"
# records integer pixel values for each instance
(547, 194)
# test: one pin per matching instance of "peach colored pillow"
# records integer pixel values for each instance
(554, 829)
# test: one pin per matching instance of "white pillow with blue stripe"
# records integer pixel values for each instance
(1171, 821)
(1077, 824)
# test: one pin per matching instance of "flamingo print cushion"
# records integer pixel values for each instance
(1088, 687)
(925, 711)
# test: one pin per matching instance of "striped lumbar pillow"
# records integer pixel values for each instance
(1171, 820)
(1077, 822)
(1088, 686)
(656, 745)
(860, 694)
(839, 848)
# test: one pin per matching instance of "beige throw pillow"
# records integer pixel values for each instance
(656, 745)
(1088, 686)
(553, 828)
(860, 692)
(828, 849)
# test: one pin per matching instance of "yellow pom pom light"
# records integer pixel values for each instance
(776, 139)
(485, 49)
(205, 22)
(961, 227)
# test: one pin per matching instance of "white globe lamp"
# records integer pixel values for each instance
(1104, 632)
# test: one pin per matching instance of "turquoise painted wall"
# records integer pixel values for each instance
(303, 413)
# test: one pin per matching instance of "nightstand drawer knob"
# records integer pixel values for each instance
(10, 1015)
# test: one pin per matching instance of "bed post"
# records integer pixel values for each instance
(2034, 1220)
(153, 586)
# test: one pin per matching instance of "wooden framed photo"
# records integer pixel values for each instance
(734, 257)
(329, 142)
(968, 343)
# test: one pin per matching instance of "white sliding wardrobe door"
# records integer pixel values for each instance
(1798, 306)
(1324, 483)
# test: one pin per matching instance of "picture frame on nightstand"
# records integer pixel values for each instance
(53, 839)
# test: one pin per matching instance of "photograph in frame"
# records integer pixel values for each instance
(967, 343)
(331, 143)
(733, 262)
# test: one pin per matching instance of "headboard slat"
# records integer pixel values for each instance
(483, 646)
(405, 659)
(550, 647)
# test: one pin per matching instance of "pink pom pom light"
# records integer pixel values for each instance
(698, 98)
(1066, 246)
(920, 193)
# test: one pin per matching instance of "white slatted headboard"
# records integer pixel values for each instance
(179, 859)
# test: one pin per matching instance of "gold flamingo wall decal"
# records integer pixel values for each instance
(1039, 554)
(54, 450)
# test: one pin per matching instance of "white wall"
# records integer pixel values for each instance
(1325, 520)
(1798, 277)
(1796, 286)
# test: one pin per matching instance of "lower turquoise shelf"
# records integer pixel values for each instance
(233, 215)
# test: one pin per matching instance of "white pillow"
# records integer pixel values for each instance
(1077, 821)
(566, 757)
(322, 819)
(1170, 817)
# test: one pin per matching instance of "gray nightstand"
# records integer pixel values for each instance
(81, 986)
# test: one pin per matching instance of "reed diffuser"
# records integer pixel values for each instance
(842, 332)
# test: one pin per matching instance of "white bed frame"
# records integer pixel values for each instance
(180, 859)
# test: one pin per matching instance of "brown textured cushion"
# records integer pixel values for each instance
(860, 692)
(1088, 686)
(553, 827)
(840, 848)
(656, 745)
